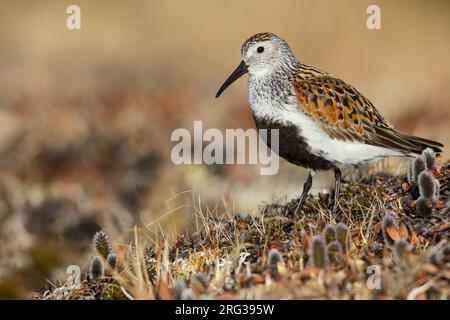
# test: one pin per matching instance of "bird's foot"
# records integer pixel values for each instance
(298, 207)
(295, 206)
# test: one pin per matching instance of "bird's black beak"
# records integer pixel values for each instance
(240, 70)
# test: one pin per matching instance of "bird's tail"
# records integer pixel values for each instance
(422, 143)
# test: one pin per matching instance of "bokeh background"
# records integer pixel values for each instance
(86, 115)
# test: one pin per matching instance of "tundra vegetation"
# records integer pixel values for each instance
(277, 255)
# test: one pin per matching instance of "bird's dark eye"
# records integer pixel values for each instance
(260, 50)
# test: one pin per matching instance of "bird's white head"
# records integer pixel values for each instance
(262, 54)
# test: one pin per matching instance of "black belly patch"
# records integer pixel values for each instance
(292, 145)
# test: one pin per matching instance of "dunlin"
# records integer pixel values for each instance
(324, 123)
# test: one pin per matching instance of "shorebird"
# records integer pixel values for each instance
(324, 123)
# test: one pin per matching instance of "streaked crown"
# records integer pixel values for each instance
(265, 52)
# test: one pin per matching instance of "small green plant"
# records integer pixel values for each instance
(429, 189)
(329, 233)
(330, 246)
(335, 253)
(319, 257)
(112, 292)
(343, 237)
(420, 172)
(96, 269)
(102, 243)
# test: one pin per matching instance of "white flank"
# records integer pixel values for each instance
(339, 152)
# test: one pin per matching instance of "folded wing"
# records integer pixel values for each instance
(345, 114)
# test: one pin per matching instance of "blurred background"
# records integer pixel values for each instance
(86, 115)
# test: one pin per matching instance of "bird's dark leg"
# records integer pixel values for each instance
(337, 187)
(306, 188)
